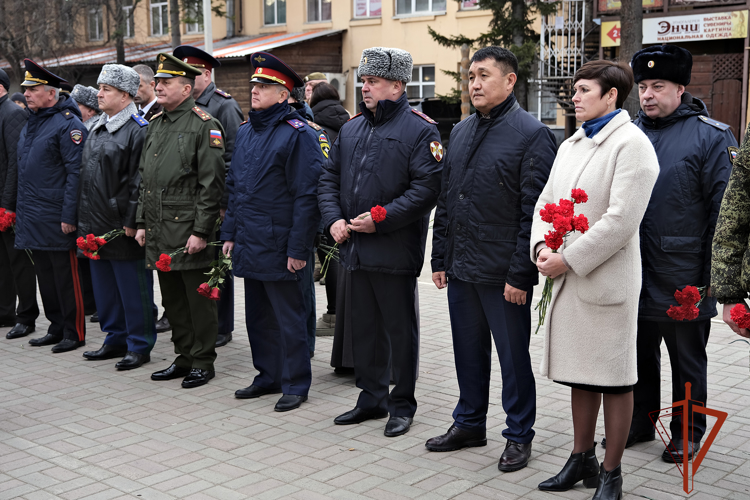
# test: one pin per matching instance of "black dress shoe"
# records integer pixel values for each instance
(163, 325)
(254, 391)
(289, 402)
(343, 370)
(457, 438)
(358, 415)
(170, 373)
(580, 466)
(397, 426)
(609, 486)
(675, 451)
(94, 317)
(223, 339)
(20, 330)
(107, 351)
(46, 340)
(634, 437)
(66, 345)
(515, 457)
(132, 360)
(197, 378)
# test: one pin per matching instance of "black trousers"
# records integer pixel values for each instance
(17, 279)
(87, 286)
(686, 342)
(385, 337)
(62, 296)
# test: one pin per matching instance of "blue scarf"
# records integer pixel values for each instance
(592, 127)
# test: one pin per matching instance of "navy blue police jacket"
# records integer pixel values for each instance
(490, 187)
(678, 228)
(49, 159)
(384, 159)
(272, 184)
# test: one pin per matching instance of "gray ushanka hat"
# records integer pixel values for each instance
(120, 77)
(86, 96)
(385, 62)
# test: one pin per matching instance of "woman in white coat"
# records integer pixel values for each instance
(590, 337)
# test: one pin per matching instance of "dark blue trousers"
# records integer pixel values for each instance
(480, 313)
(124, 295)
(276, 319)
(308, 292)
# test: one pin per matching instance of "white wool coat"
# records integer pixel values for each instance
(591, 324)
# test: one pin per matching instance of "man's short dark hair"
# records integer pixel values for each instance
(145, 71)
(504, 58)
(609, 75)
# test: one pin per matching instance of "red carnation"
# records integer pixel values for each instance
(676, 313)
(100, 241)
(740, 316)
(562, 224)
(215, 294)
(163, 263)
(580, 223)
(81, 243)
(579, 196)
(548, 212)
(205, 290)
(566, 208)
(691, 312)
(377, 213)
(688, 296)
(553, 239)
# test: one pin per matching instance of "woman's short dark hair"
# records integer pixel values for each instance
(323, 91)
(609, 75)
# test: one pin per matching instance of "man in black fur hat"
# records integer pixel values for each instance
(695, 158)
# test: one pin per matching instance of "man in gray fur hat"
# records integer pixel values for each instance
(87, 103)
(108, 200)
(388, 155)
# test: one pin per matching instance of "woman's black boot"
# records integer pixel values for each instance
(580, 466)
(610, 484)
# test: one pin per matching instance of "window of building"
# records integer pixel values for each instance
(274, 12)
(422, 82)
(367, 8)
(318, 10)
(406, 7)
(159, 18)
(469, 4)
(96, 24)
(196, 19)
(127, 11)
(66, 23)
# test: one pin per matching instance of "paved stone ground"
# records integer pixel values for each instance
(74, 429)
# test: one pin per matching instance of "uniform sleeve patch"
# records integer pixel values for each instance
(298, 124)
(223, 94)
(215, 139)
(715, 123)
(76, 136)
(204, 116)
(325, 147)
(139, 120)
(733, 152)
(423, 116)
(437, 150)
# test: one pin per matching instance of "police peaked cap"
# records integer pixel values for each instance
(662, 62)
(196, 57)
(270, 69)
(36, 75)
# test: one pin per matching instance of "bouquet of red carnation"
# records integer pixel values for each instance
(219, 268)
(7, 220)
(740, 316)
(377, 213)
(92, 244)
(564, 221)
(689, 299)
(165, 260)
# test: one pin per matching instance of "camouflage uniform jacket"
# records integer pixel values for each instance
(730, 261)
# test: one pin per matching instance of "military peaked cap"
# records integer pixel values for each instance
(169, 67)
(196, 57)
(36, 75)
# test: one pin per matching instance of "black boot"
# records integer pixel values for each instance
(580, 466)
(610, 484)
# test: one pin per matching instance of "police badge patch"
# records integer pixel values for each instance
(733, 152)
(324, 146)
(437, 150)
(76, 136)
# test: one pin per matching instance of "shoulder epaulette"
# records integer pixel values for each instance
(223, 94)
(242, 123)
(139, 119)
(298, 124)
(353, 117)
(204, 116)
(68, 115)
(314, 125)
(157, 114)
(715, 123)
(423, 116)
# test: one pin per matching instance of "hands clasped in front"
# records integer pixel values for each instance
(550, 264)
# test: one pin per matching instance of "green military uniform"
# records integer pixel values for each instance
(730, 260)
(182, 184)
